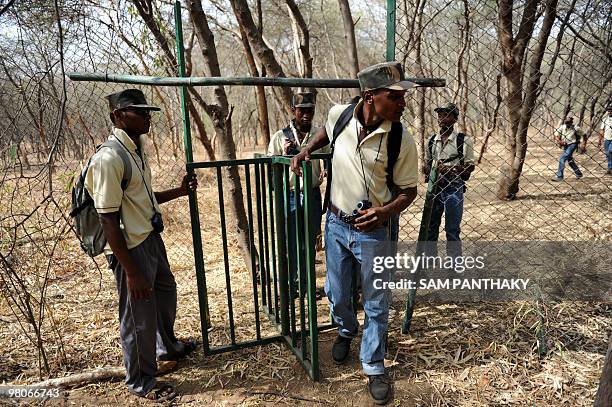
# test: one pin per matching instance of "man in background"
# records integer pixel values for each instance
(567, 137)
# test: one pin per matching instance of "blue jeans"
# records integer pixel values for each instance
(567, 156)
(350, 252)
(315, 226)
(608, 152)
(448, 201)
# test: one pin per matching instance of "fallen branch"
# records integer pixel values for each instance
(286, 396)
(77, 379)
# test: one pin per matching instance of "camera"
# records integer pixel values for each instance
(157, 222)
(361, 206)
(293, 151)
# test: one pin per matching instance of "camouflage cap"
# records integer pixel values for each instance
(129, 98)
(449, 107)
(303, 99)
(389, 75)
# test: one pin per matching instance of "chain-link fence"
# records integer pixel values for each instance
(53, 294)
(460, 41)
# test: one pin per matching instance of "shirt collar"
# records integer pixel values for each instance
(452, 136)
(384, 127)
(125, 139)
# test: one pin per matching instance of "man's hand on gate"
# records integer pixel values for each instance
(372, 218)
(138, 286)
(189, 183)
(296, 161)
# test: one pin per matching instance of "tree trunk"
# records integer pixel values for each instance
(603, 397)
(351, 44)
(262, 103)
(221, 116)
(263, 52)
(513, 53)
(301, 41)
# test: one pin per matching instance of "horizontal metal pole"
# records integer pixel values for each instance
(240, 81)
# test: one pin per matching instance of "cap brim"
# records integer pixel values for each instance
(147, 107)
(305, 105)
(401, 85)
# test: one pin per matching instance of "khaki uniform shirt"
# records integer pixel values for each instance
(567, 134)
(103, 182)
(277, 143)
(606, 126)
(440, 151)
(348, 185)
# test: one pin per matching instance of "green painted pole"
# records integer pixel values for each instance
(311, 274)
(391, 30)
(198, 252)
(233, 81)
(421, 242)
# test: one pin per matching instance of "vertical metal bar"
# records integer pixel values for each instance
(247, 176)
(266, 215)
(261, 262)
(290, 254)
(272, 195)
(311, 273)
(281, 240)
(391, 30)
(198, 252)
(228, 284)
(300, 238)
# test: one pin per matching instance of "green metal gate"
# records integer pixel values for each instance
(267, 189)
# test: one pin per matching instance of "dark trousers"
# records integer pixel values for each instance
(147, 325)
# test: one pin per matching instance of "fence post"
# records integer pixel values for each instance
(391, 30)
(198, 253)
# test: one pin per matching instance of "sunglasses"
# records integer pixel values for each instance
(139, 112)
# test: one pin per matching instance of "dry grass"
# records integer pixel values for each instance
(476, 354)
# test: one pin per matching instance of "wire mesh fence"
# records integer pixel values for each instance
(52, 126)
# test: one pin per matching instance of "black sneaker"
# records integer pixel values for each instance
(380, 388)
(340, 350)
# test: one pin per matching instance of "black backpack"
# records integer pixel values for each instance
(394, 143)
(86, 221)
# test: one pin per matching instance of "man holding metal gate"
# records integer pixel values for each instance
(453, 153)
(290, 141)
(373, 178)
(131, 220)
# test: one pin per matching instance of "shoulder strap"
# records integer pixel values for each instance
(394, 144)
(341, 123)
(127, 164)
(460, 143)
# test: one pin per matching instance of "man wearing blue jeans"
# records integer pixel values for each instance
(289, 141)
(605, 136)
(359, 173)
(453, 154)
(567, 138)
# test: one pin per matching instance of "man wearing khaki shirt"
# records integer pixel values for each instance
(567, 137)
(453, 153)
(359, 173)
(290, 141)
(131, 221)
